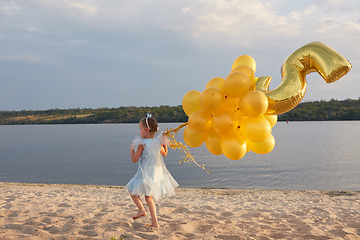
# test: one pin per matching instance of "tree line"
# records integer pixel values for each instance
(333, 110)
(130, 114)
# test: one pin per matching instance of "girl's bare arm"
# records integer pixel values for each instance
(136, 155)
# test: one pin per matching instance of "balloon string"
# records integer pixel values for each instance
(185, 152)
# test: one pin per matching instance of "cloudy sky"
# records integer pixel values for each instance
(110, 53)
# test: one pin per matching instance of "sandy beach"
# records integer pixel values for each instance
(56, 211)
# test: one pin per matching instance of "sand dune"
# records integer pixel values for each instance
(55, 211)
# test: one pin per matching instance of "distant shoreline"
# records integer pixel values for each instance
(333, 110)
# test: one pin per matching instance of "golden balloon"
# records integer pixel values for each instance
(272, 119)
(263, 147)
(224, 122)
(256, 129)
(191, 102)
(193, 139)
(253, 104)
(212, 99)
(233, 146)
(200, 121)
(248, 71)
(216, 82)
(240, 118)
(213, 142)
(245, 60)
(231, 104)
(236, 84)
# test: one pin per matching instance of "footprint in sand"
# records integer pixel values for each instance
(52, 229)
(204, 228)
(64, 205)
(166, 210)
(89, 233)
(181, 210)
(227, 214)
(9, 199)
(14, 214)
(228, 237)
(46, 220)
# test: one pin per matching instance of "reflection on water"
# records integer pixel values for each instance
(307, 155)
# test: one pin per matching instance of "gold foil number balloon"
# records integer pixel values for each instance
(313, 57)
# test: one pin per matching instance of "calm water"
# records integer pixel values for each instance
(307, 155)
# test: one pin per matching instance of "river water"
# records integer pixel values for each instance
(307, 156)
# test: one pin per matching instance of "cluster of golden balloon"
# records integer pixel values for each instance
(229, 114)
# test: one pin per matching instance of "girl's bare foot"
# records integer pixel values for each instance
(152, 226)
(140, 214)
(155, 225)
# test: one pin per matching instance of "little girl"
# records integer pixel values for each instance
(152, 178)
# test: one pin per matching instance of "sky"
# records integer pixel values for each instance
(111, 53)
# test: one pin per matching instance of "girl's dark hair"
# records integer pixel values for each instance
(153, 125)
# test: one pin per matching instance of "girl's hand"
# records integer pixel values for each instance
(163, 150)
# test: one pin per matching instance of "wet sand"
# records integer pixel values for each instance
(57, 211)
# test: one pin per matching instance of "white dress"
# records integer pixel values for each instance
(152, 177)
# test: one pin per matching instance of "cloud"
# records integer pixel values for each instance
(22, 57)
(232, 22)
(185, 9)
(68, 7)
(141, 44)
(8, 6)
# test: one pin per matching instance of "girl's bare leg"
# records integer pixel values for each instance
(152, 209)
(140, 206)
